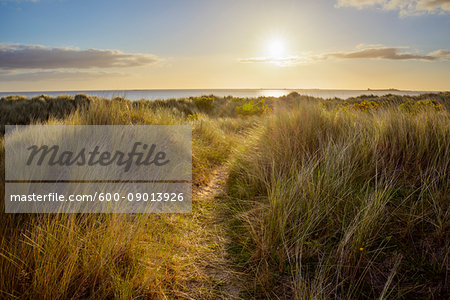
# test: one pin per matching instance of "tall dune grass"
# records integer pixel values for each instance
(331, 200)
(97, 256)
(339, 203)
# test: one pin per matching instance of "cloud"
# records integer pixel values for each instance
(361, 52)
(443, 55)
(59, 75)
(405, 7)
(381, 53)
(17, 56)
(4, 72)
(279, 61)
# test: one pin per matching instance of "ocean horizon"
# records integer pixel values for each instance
(153, 94)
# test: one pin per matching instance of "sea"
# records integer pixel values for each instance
(243, 93)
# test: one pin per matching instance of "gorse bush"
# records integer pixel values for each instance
(204, 103)
(252, 107)
(421, 105)
(194, 117)
(365, 105)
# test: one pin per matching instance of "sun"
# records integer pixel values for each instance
(275, 47)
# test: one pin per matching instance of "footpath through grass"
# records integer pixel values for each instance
(56, 256)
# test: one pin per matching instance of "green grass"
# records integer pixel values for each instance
(326, 199)
(345, 203)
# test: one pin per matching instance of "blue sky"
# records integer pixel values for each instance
(224, 44)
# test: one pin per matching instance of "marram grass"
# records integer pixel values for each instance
(345, 204)
(326, 199)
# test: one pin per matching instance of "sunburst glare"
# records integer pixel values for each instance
(276, 48)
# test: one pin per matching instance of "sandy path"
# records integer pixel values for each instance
(219, 269)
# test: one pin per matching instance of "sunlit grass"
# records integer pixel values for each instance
(345, 203)
(117, 255)
(326, 199)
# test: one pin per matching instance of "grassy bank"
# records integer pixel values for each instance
(345, 202)
(108, 256)
(326, 199)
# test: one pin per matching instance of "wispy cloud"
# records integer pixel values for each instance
(405, 7)
(361, 52)
(59, 75)
(443, 55)
(18, 56)
(279, 61)
(380, 53)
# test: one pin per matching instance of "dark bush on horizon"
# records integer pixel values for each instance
(19, 110)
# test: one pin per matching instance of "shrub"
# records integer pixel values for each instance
(13, 98)
(252, 107)
(205, 103)
(421, 105)
(365, 105)
(23, 111)
(194, 117)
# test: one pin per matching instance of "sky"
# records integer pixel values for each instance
(51, 45)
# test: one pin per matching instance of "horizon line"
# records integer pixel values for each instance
(225, 89)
